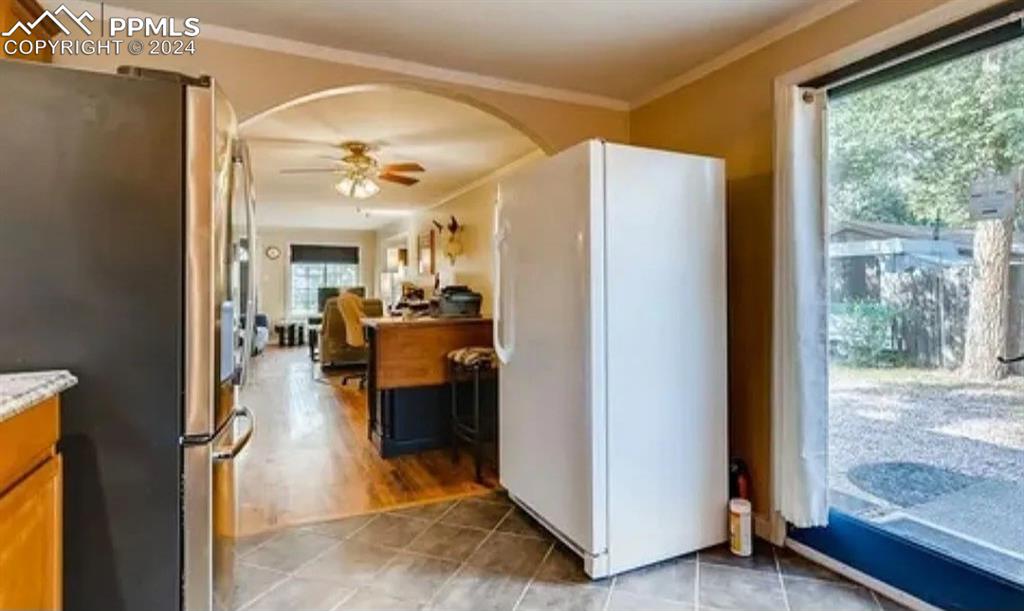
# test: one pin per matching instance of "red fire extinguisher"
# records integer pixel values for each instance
(739, 479)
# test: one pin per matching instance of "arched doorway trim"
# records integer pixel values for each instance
(428, 89)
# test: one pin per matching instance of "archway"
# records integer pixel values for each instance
(410, 86)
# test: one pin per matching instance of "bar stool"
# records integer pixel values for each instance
(465, 364)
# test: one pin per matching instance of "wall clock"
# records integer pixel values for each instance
(273, 252)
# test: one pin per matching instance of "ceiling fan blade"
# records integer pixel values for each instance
(403, 167)
(313, 171)
(330, 158)
(269, 141)
(402, 180)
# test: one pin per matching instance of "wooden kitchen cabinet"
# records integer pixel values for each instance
(25, 11)
(31, 490)
(30, 540)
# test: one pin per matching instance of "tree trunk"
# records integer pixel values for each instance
(988, 314)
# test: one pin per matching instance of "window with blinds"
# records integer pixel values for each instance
(315, 267)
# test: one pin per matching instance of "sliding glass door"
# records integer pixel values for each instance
(926, 289)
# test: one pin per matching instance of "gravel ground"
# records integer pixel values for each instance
(965, 431)
(933, 458)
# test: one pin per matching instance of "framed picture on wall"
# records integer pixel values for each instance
(425, 247)
(397, 259)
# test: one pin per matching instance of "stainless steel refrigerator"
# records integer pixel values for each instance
(126, 226)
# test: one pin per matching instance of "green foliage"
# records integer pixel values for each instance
(907, 151)
(860, 333)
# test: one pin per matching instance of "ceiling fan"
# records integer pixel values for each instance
(359, 170)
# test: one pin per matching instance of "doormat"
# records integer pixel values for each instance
(907, 484)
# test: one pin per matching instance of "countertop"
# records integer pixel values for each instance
(421, 321)
(20, 391)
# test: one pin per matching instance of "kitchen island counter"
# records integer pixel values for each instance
(409, 393)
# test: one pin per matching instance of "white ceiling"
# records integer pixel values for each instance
(615, 48)
(456, 143)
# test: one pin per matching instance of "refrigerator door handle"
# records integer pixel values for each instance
(203, 439)
(502, 320)
(498, 238)
(244, 163)
(240, 443)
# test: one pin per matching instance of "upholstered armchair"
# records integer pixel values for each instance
(334, 347)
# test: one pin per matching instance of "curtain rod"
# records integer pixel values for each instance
(992, 25)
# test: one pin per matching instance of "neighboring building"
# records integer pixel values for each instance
(919, 278)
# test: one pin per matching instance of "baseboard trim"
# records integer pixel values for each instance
(763, 527)
(770, 527)
(863, 579)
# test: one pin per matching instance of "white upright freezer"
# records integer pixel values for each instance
(610, 324)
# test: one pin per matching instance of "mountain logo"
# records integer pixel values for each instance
(79, 20)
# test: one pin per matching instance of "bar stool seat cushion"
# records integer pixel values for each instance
(475, 357)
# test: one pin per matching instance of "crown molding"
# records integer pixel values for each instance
(483, 180)
(797, 22)
(407, 68)
(288, 46)
(378, 62)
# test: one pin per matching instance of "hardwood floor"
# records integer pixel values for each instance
(310, 459)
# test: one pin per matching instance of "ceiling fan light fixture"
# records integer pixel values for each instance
(365, 188)
(358, 187)
(359, 173)
(345, 186)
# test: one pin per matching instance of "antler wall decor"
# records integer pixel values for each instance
(453, 244)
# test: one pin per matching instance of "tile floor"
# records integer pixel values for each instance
(483, 553)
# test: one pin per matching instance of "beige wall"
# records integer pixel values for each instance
(729, 114)
(258, 80)
(475, 267)
(474, 210)
(273, 274)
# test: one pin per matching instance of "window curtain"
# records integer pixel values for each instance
(800, 316)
